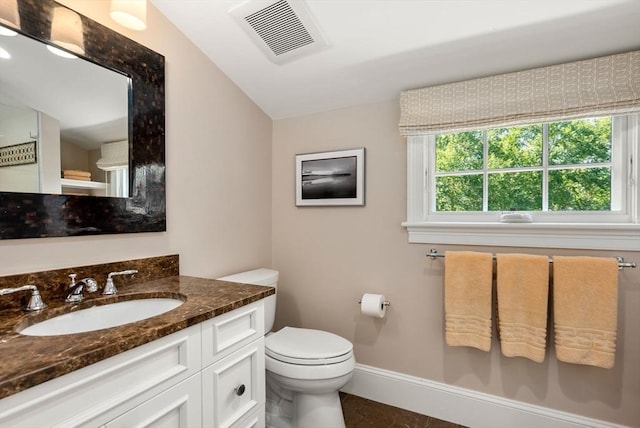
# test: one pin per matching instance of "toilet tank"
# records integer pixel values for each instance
(262, 276)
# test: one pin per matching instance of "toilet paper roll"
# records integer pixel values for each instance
(373, 305)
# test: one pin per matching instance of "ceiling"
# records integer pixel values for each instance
(377, 48)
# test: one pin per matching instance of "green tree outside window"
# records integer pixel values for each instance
(572, 158)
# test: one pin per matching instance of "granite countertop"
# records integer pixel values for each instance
(28, 361)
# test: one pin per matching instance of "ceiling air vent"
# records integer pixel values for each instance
(283, 29)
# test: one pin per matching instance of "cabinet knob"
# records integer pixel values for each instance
(239, 390)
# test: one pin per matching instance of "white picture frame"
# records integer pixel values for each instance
(333, 178)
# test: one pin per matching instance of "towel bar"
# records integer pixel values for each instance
(433, 254)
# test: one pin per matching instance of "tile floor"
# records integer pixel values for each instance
(360, 413)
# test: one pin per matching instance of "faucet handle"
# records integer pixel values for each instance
(110, 287)
(124, 272)
(72, 277)
(35, 301)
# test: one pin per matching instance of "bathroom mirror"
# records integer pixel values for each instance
(76, 135)
(31, 215)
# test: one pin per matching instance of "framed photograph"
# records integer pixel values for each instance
(330, 178)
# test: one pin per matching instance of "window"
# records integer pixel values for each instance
(575, 178)
(571, 166)
(118, 182)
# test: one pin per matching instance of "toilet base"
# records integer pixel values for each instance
(318, 410)
(308, 411)
(294, 403)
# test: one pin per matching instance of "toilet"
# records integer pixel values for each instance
(305, 367)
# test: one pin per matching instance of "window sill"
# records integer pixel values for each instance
(623, 237)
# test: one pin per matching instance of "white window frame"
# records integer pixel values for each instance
(584, 230)
(118, 182)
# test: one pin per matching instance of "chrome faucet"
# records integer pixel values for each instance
(35, 301)
(110, 287)
(76, 294)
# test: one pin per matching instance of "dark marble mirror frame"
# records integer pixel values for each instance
(31, 215)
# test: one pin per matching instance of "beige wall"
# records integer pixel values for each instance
(73, 157)
(218, 146)
(328, 257)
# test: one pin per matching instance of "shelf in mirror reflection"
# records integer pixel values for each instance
(78, 184)
(82, 188)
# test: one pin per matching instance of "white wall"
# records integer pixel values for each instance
(218, 149)
(329, 256)
(49, 156)
(17, 124)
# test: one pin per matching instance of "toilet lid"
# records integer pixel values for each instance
(306, 346)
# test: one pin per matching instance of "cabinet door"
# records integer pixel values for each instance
(178, 407)
(234, 387)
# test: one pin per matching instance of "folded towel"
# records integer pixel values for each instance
(523, 291)
(585, 295)
(77, 177)
(468, 280)
(76, 172)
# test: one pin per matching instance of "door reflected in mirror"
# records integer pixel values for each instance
(74, 110)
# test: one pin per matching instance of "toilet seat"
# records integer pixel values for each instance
(307, 347)
(319, 372)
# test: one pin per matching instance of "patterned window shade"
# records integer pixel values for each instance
(114, 156)
(600, 86)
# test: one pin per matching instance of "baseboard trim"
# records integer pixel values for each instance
(458, 405)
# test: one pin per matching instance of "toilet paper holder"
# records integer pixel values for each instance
(385, 303)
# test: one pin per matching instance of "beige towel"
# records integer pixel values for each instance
(467, 299)
(77, 177)
(523, 291)
(585, 294)
(76, 173)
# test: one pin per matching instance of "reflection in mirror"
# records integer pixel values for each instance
(36, 215)
(74, 110)
(18, 149)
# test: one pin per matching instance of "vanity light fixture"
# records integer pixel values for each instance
(130, 13)
(66, 32)
(9, 16)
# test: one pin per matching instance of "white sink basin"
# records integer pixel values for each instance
(99, 317)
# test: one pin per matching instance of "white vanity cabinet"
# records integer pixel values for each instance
(178, 407)
(233, 384)
(209, 375)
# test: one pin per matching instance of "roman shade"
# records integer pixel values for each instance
(114, 156)
(608, 85)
